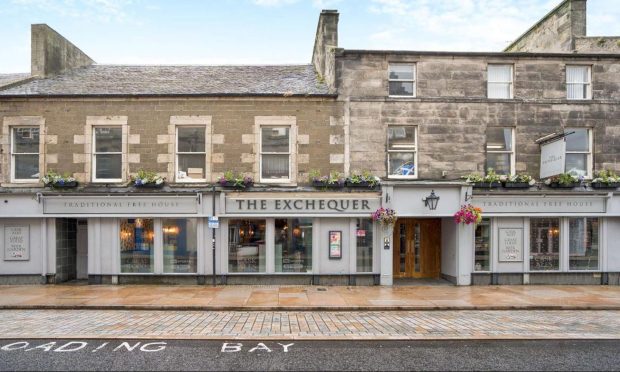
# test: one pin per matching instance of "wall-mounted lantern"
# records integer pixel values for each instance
(431, 201)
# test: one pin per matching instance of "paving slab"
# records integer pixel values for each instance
(298, 298)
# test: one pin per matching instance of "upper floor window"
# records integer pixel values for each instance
(402, 151)
(578, 82)
(107, 154)
(499, 83)
(579, 152)
(275, 154)
(191, 155)
(500, 150)
(25, 153)
(402, 80)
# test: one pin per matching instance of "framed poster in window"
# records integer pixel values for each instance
(335, 244)
(16, 243)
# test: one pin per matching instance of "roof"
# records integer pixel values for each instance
(589, 56)
(8, 79)
(121, 80)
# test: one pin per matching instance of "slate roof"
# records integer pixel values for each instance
(6, 79)
(115, 80)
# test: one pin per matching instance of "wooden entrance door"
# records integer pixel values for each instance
(417, 248)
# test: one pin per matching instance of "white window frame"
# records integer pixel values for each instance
(512, 152)
(415, 154)
(510, 83)
(414, 67)
(13, 154)
(95, 153)
(261, 153)
(562, 244)
(589, 157)
(600, 245)
(491, 248)
(587, 83)
(177, 153)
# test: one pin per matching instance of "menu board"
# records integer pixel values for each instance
(335, 244)
(510, 245)
(16, 243)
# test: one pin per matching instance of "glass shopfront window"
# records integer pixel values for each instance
(583, 243)
(180, 245)
(483, 246)
(137, 245)
(293, 245)
(544, 244)
(364, 239)
(246, 246)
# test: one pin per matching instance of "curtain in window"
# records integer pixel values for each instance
(499, 78)
(576, 82)
(275, 166)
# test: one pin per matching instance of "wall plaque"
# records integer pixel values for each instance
(510, 245)
(17, 243)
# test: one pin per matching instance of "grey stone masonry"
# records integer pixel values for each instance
(452, 112)
(325, 44)
(52, 54)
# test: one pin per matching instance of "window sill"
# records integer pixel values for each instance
(403, 177)
(22, 184)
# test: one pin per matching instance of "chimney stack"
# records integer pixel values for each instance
(325, 43)
(52, 54)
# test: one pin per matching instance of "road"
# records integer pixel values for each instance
(127, 354)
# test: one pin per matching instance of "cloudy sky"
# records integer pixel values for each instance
(271, 31)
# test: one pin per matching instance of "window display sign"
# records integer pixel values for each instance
(511, 245)
(335, 244)
(16, 243)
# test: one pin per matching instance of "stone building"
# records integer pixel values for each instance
(418, 120)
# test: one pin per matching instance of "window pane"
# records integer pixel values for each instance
(499, 162)
(180, 245)
(401, 88)
(401, 72)
(577, 164)
(26, 167)
(577, 141)
(275, 139)
(499, 90)
(544, 244)
(483, 246)
(108, 166)
(583, 243)
(191, 139)
(401, 164)
(499, 73)
(499, 139)
(246, 246)
(275, 166)
(191, 167)
(293, 245)
(108, 139)
(137, 245)
(401, 138)
(25, 140)
(364, 238)
(577, 74)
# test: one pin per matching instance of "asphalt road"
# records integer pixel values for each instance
(153, 355)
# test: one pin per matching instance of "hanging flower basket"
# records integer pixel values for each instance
(385, 216)
(468, 214)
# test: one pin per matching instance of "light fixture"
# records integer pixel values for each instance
(431, 201)
(468, 196)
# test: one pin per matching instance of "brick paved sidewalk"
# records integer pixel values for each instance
(342, 325)
(152, 297)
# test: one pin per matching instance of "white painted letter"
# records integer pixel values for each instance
(235, 347)
(126, 344)
(64, 347)
(285, 347)
(45, 347)
(10, 347)
(157, 348)
(260, 346)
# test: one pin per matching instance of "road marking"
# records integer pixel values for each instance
(71, 346)
(235, 347)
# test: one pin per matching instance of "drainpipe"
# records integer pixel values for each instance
(213, 235)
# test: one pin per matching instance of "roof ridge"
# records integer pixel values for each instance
(199, 65)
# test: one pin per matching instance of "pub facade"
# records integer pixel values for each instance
(270, 174)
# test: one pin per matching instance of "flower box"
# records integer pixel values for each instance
(557, 185)
(486, 185)
(65, 185)
(149, 185)
(517, 185)
(602, 185)
(321, 184)
(361, 185)
(235, 185)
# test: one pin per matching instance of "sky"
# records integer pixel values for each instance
(271, 31)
